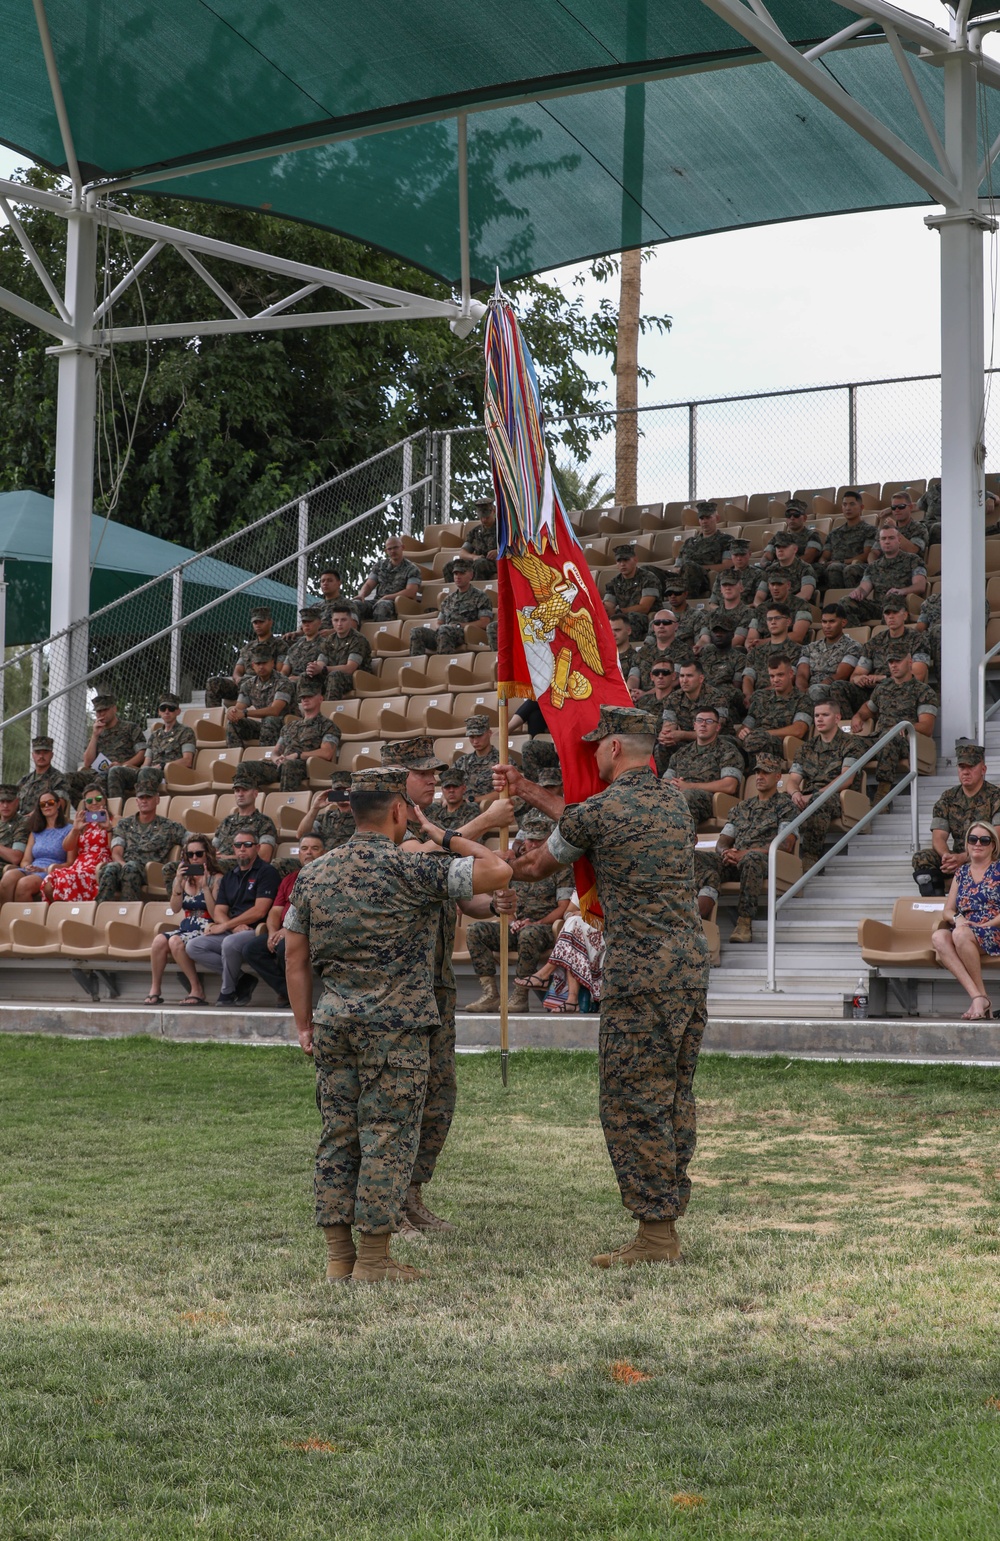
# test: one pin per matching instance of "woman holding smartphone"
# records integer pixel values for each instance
(86, 845)
(193, 892)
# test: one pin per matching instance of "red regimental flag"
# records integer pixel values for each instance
(556, 645)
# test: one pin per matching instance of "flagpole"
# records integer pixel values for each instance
(504, 918)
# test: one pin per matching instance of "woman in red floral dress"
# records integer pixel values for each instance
(89, 841)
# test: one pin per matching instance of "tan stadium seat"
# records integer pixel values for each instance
(200, 778)
(907, 939)
(131, 806)
(823, 508)
(468, 703)
(362, 756)
(200, 809)
(993, 595)
(475, 636)
(673, 515)
(375, 629)
(441, 671)
(661, 544)
(760, 503)
(77, 939)
(31, 938)
(460, 949)
(367, 684)
(287, 809)
(130, 941)
(823, 525)
(209, 723)
(993, 554)
(612, 520)
(853, 806)
(224, 806)
(287, 850)
(448, 747)
(992, 636)
(589, 521)
(835, 596)
(917, 487)
(484, 666)
(808, 493)
(859, 633)
(224, 763)
(597, 549)
(634, 513)
(441, 535)
(431, 714)
(342, 712)
(415, 608)
(934, 561)
(367, 721)
(10, 912)
(258, 752)
(866, 489)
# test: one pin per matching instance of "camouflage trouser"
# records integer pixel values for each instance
(538, 755)
(377, 609)
(891, 763)
(862, 612)
(647, 1104)
(370, 1089)
(123, 880)
(122, 779)
(442, 1087)
(493, 635)
(812, 834)
(484, 569)
(927, 865)
(441, 639)
(338, 685)
(220, 689)
(840, 575)
(847, 696)
(752, 873)
(700, 804)
(697, 580)
(533, 944)
(291, 775)
(253, 730)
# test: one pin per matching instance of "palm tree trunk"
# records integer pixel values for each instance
(627, 377)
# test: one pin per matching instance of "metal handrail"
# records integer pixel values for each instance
(774, 902)
(983, 715)
(157, 636)
(210, 551)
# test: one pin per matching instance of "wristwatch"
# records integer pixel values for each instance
(447, 838)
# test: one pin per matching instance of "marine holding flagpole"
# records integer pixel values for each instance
(629, 837)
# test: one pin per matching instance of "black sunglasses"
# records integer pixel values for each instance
(244, 845)
(167, 706)
(978, 840)
(660, 674)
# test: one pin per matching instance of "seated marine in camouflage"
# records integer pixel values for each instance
(633, 592)
(333, 594)
(801, 577)
(113, 740)
(779, 709)
(480, 542)
(779, 591)
(43, 776)
(974, 801)
(844, 557)
(456, 807)
(707, 764)
(737, 561)
(817, 763)
(826, 666)
(662, 645)
(347, 651)
(310, 736)
(226, 687)
(900, 698)
(890, 573)
(13, 829)
(743, 845)
(778, 638)
(142, 837)
(329, 814)
(306, 654)
(628, 655)
(394, 577)
(692, 693)
(170, 740)
(808, 540)
(246, 815)
(703, 554)
(464, 606)
(873, 656)
(264, 699)
(477, 765)
(539, 906)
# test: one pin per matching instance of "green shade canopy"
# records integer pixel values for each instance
(566, 158)
(122, 560)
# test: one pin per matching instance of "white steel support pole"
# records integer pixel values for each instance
(3, 649)
(962, 383)
(74, 494)
(302, 578)
(176, 616)
(37, 689)
(407, 483)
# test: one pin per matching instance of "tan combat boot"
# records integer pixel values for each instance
(519, 999)
(418, 1216)
(742, 931)
(882, 790)
(375, 1265)
(340, 1253)
(408, 1231)
(655, 1242)
(489, 1000)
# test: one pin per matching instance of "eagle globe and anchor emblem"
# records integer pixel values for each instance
(555, 593)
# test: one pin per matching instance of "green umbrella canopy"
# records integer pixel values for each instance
(125, 559)
(566, 158)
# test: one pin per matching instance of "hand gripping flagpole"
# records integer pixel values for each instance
(504, 917)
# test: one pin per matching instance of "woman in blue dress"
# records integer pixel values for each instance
(49, 828)
(970, 924)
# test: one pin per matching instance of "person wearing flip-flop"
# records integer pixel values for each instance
(537, 907)
(196, 880)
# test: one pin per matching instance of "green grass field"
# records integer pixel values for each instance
(171, 1365)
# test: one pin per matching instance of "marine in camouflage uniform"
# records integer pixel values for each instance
(165, 745)
(478, 541)
(680, 711)
(823, 657)
(307, 649)
(537, 757)
(644, 583)
(795, 573)
(13, 828)
(478, 768)
(257, 693)
(697, 554)
(753, 823)
(389, 581)
(953, 813)
(260, 826)
(371, 913)
(461, 608)
(884, 573)
(896, 701)
(223, 687)
(639, 836)
(818, 763)
(300, 736)
(768, 709)
(802, 537)
(874, 654)
(48, 779)
(117, 742)
(463, 812)
(844, 551)
(352, 648)
(704, 762)
(649, 654)
(334, 823)
(751, 577)
(124, 879)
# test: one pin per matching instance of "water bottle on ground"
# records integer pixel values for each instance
(859, 1004)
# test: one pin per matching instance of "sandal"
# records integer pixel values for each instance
(153, 1000)
(531, 982)
(194, 1000)
(978, 1016)
(562, 1007)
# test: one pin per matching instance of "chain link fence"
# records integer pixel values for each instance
(187, 624)
(774, 441)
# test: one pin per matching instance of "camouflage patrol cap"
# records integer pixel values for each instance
(722, 621)
(898, 647)
(707, 506)
(381, 778)
(340, 778)
(411, 754)
(462, 564)
(535, 826)
(796, 506)
(769, 763)
(167, 698)
(893, 604)
(672, 584)
(550, 776)
(262, 653)
(623, 552)
(453, 776)
(775, 575)
(7, 792)
(308, 687)
(42, 742)
(310, 613)
(102, 702)
(625, 720)
(783, 538)
(966, 753)
(147, 782)
(260, 613)
(739, 545)
(730, 579)
(758, 741)
(476, 724)
(482, 504)
(243, 778)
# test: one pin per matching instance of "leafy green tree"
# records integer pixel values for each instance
(578, 490)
